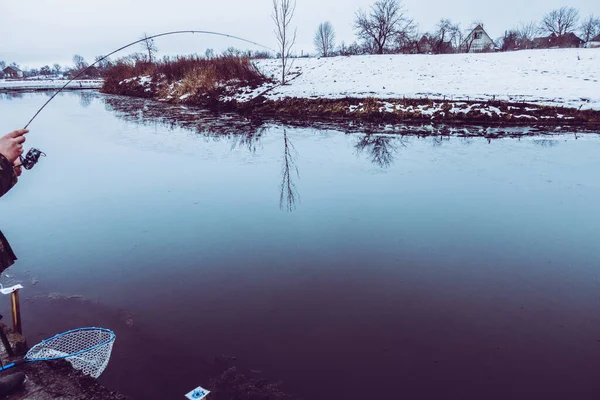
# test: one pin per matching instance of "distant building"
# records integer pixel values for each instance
(478, 41)
(431, 45)
(594, 43)
(567, 41)
(543, 42)
(12, 72)
(424, 46)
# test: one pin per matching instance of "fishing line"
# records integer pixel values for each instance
(131, 44)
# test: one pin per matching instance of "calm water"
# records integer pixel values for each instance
(347, 266)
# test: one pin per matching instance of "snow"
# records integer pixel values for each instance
(556, 77)
(145, 80)
(50, 84)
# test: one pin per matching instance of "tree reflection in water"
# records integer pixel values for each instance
(85, 98)
(242, 132)
(289, 193)
(546, 142)
(437, 141)
(250, 139)
(380, 149)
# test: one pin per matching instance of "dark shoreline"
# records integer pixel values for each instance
(204, 120)
(332, 114)
(494, 114)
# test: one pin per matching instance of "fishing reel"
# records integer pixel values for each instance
(31, 158)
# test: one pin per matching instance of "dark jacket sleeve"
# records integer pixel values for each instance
(8, 179)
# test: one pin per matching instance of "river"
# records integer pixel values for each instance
(340, 265)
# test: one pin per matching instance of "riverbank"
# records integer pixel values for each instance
(52, 379)
(537, 87)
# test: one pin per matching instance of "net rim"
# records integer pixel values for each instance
(110, 339)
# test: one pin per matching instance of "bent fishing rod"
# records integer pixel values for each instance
(33, 155)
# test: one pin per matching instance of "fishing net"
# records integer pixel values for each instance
(87, 349)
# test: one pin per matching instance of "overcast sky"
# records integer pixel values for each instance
(38, 32)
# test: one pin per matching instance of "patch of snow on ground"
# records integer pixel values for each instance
(556, 77)
(144, 80)
(526, 116)
(495, 110)
(388, 107)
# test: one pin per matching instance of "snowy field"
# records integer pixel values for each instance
(563, 77)
(39, 84)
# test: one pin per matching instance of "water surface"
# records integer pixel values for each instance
(344, 265)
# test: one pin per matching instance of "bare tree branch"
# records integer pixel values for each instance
(324, 40)
(149, 47)
(447, 38)
(560, 21)
(283, 12)
(79, 62)
(590, 28)
(386, 21)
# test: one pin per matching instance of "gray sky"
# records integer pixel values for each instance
(38, 32)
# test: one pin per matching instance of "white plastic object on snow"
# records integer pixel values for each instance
(197, 394)
(10, 290)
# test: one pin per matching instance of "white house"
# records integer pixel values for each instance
(594, 43)
(478, 41)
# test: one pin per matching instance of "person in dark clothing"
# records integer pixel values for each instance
(11, 148)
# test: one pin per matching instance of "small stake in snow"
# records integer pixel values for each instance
(15, 305)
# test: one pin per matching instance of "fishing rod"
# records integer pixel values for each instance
(131, 44)
(33, 155)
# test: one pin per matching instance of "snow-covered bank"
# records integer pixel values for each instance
(565, 77)
(41, 84)
(537, 88)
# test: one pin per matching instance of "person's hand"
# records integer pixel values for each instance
(11, 145)
(18, 167)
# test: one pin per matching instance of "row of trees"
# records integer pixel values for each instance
(46, 70)
(386, 28)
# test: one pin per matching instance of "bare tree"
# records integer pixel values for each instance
(527, 30)
(149, 47)
(385, 21)
(590, 28)
(520, 38)
(324, 39)
(79, 62)
(447, 37)
(560, 21)
(102, 63)
(510, 41)
(56, 68)
(407, 41)
(283, 12)
(2, 65)
(45, 70)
